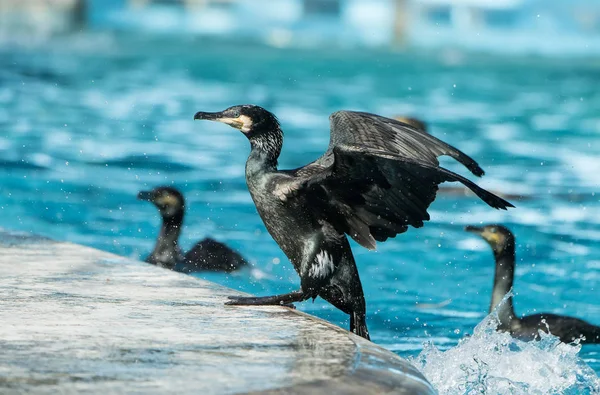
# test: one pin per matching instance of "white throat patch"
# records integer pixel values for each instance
(246, 123)
(243, 122)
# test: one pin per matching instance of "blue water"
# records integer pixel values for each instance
(85, 123)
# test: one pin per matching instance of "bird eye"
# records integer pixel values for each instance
(493, 230)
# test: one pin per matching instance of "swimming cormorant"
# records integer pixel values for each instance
(377, 177)
(206, 255)
(567, 329)
(412, 121)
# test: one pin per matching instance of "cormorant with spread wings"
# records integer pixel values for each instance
(377, 178)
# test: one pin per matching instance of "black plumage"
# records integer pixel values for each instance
(206, 255)
(567, 329)
(377, 177)
(451, 190)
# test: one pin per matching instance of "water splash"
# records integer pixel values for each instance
(496, 363)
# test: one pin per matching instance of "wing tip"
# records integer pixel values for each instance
(491, 199)
(371, 244)
(499, 203)
(477, 170)
(509, 205)
(335, 114)
(368, 242)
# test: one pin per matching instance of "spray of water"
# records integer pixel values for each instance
(491, 362)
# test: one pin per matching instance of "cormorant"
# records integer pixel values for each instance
(567, 329)
(414, 122)
(206, 255)
(377, 177)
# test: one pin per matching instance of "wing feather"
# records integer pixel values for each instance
(379, 176)
(370, 131)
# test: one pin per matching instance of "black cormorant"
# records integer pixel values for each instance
(206, 255)
(567, 329)
(377, 177)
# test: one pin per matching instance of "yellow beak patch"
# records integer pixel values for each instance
(491, 237)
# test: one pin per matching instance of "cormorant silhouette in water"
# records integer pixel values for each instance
(206, 255)
(567, 329)
(414, 122)
(377, 177)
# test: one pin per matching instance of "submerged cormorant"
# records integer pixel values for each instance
(567, 329)
(377, 177)
(412, 121)
(206, 255)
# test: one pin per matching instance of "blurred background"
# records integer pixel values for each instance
(97, 99)
(506, 26)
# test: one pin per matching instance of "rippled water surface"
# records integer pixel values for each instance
(86, 123)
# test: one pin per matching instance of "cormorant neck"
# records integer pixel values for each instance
(266, 146)
(167, 243)
(503, 283)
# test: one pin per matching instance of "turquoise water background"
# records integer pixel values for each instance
(85, 124)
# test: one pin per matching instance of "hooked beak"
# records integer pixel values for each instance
(208, 116)
(145, 195)
(242, 122)
(474, 229)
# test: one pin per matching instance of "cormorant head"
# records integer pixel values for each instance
(497, 236)
(248, 118)
(169, 201)
(414, 122)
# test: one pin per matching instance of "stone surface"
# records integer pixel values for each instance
(75, 319)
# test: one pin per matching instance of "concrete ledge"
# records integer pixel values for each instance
(75, 319)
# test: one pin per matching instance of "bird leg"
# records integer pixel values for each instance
(358, 324)
(276, 300)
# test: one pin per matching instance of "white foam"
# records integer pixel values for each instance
(495, 363)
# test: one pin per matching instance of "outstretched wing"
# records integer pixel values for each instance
(378, 177)
(373, 132)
